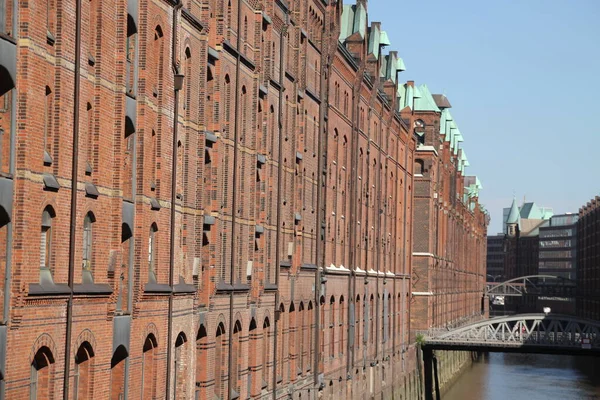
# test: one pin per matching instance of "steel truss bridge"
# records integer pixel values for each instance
(521, 333)
(533, 285)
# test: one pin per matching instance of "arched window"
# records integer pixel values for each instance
(41, 374)
(180, 169)
(92, 24)
(253, 356)
(227, 102)
(220, 360)
(48, 118)
(266, 353)
(201, 360)
(88, 253)
(303, 348)
(332, 327)
(51, 18)
(291, 338)
(419, 167)
(157, 61)
(346, 104)
(130, 55)
(371, 321)
(46, 242)
(390, 316)
(83, 372)
(342, 326)
(149, 367)
(188, 82)
(154, 157)
(281, 347)
(357, 323)
(180, 366)
(323, 329)
(244, 111)
(90, 139)
(235, 359)
(311, 328)
(152, 245)
(117, 373)
(383, 308)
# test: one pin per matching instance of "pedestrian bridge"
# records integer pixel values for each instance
(520, 333)
(533, 285)
(523, 333)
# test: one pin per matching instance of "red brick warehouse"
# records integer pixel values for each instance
(588, 260)
(242, 224)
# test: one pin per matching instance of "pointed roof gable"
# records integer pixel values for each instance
(513, 213)
(425, 101)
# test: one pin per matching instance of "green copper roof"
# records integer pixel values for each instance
(384, 40)
(424, 100)
(389, 66)
(533, 211)
(402, 95)
(513, 214)
(354, 20)
(374, 37)
(463, 162)
(400, 66)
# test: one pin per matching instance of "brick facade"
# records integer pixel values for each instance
(450, 228)
(588, 260)
(239, 234)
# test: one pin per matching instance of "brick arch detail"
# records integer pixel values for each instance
(150, 329)
(48, 200)
(86, 335)
(221, 320)
(43, 340)
(238, 317)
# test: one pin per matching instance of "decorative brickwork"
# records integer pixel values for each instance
(273, 131)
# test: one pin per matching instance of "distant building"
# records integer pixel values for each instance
(522, 229)
(557, 246)
(530, 212)
(588, 260)
(496, 254)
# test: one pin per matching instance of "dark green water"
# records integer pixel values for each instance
(500, 376)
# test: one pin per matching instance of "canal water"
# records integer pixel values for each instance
(498, 376)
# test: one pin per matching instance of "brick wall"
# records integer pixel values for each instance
(281, 258)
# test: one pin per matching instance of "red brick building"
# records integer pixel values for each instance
(449, 226)
(242, 220)
(588, 260)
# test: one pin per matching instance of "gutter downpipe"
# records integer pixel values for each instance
(230, 366)
(352, 242)
(278, 218)
(326, 61)
(12, 158)
(9, 226)
(404, 266)
(353, 191)
(395, 223)
(73, 216)
(377, 222)
(173, 199)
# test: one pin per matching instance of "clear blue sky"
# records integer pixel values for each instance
(523, 77)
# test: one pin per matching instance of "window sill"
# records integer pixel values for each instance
(55, 289)
(184, 288)
(157, 288)
(92, 289)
